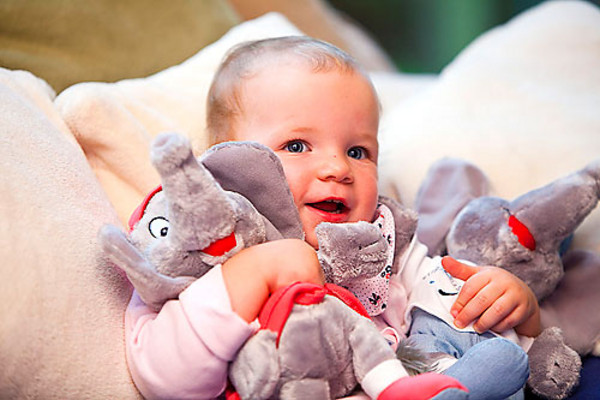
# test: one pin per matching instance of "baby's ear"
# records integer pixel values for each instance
(405, 223)
(254, 171)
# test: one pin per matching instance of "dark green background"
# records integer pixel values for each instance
(425, 35)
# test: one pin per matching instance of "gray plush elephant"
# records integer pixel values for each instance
(174, 232)
(525, 237)
(236, 196)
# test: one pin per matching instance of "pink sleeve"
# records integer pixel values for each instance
(183, 351)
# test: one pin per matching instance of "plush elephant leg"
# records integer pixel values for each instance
(305, 389)
(368, 354)
(255, 371)
(554, 367)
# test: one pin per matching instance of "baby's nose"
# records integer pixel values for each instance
(335, 167)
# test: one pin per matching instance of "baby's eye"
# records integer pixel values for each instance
(296, 146)
(357, 152)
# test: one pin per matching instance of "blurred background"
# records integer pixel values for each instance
(425, 35)
(109, 40)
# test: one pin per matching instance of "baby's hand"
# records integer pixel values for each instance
(494, 298)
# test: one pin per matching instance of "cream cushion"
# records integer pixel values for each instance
(61, 312)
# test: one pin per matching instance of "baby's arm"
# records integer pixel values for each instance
(184, 350)
(256, 272)
(497, 299)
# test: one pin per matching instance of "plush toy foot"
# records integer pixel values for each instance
(554, 367)
(425, 386)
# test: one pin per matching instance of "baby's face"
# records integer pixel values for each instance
(323, 126)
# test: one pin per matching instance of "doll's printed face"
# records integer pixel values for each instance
(323, 126)
(442, 282)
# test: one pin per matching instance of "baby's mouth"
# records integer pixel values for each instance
(330, 206)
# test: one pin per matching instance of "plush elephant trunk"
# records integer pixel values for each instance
(197, 207)
(554, 211)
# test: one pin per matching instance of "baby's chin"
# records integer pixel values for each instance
(311, 238)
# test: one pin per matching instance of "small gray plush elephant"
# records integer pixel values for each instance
(525, 237)
(236, 196)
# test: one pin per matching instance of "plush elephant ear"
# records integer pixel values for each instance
(450, 185)
(255, 172)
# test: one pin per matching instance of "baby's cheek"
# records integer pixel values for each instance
(295, 172)
(369, 201)
(308, 226)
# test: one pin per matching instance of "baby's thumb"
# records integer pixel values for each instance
(457, 269)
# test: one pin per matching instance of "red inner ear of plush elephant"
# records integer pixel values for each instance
(221, 246)
(138, 213)
(522, 232)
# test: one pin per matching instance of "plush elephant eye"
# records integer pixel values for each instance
(158, 227)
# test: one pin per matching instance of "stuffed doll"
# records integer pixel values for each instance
(236, 196)
(526, 236)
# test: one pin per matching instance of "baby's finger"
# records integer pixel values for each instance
(509, 322)
(497, 316)
(457, 269)
(468, 292)
(478, 305)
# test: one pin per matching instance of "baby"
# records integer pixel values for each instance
(318, 111)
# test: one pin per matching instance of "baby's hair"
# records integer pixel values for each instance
(242, 61)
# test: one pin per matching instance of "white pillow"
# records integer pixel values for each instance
(522, 102)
